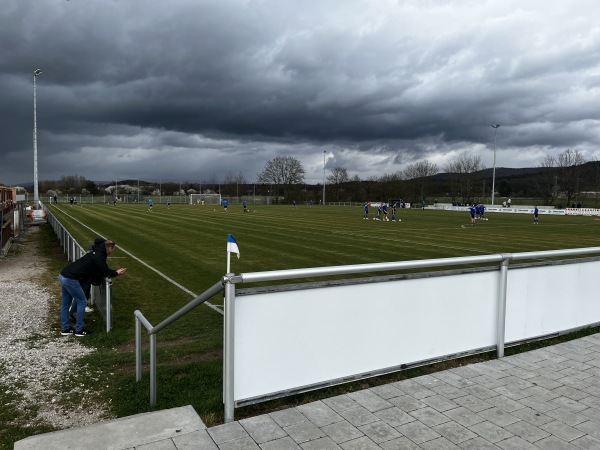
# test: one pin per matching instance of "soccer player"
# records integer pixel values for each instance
(310, 203)
(535, 215)
(472, 211)
(245, 206)
(293, 203)
(225, 204)
(168, 203)
(366, 208)
(385, 215)
(394, 208)
(378, 212)
(115, 201)
(150, 204)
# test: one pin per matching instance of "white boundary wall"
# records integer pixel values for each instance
(290, 341)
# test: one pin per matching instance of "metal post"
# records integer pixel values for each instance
(228, 350)
(36, 199)
(153, 370)
(495, 127)
(324, 153)
(138, 349)
(108, 304)
(501, 319)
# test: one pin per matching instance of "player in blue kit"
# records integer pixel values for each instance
(366, 208)
(149, 204)
(472, 212)
(535, 215)
(225, 204)
(378, 213)
(394, 208)
(245, 205)
(384, 208)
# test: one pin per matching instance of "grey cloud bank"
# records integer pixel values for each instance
(193, 90)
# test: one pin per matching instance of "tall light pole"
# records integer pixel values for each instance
(495, 127)
(324, 153)
(36, 195)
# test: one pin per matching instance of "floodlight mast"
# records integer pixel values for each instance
(36, 194)
(324, 153)
(495, 127)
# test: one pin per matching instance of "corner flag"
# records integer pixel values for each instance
(232, 246)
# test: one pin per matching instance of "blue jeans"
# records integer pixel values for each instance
(71, 290)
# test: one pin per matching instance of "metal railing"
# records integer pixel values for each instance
(101, 296)
(153, 331)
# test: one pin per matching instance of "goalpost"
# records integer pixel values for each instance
(208, 199)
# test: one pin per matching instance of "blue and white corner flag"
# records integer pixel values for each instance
(232, 246)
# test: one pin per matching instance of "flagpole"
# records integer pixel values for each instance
(228, 261)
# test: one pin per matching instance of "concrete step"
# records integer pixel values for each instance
(125, 433)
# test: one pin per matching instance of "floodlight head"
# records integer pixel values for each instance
(37, 72)
(496, 125)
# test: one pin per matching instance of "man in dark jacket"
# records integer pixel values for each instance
(90, 266)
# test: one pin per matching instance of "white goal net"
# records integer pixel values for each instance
(205, 199)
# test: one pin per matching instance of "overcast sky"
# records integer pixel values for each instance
(193, 90)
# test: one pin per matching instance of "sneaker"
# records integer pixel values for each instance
(68, 332)
(88, 309)
(84, 332)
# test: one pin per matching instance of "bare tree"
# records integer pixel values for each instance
(282, 170)
(547, 181)
(420, 174)
(463, 168)
(338, 175)
(570, 163)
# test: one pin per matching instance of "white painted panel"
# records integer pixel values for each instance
(291, 339)
(548, 299)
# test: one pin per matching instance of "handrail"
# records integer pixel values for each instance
(140, 319)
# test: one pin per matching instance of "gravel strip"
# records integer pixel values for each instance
(34, 358)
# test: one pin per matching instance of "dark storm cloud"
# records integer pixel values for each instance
(194, 89)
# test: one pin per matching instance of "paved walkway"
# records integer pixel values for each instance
(547, 398)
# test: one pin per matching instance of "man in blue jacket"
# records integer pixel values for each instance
(88, 269)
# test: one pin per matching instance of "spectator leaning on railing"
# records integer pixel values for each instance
(86, 269)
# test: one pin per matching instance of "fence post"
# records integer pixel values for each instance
(153, 370)
(228, 349)
(138, 349)
(108, 299)
(501, 318)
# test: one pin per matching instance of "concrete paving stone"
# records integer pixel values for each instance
(227, 432)
(413, 389)
(304, 432)
(592, 389)
(552, 373)
(541, 393)
(324, 443)
(591, 413)
(340, 403)
(319, 413)
(448, 391)
(523, 374)
(539, 405)
(510, 392)
(164, 444)
(463, 416)
(370, 400)
(407, 403)
(394, 416)
(486, 369)
(478, 444)
(246, 443)
(480, 392)
(287, 417)
(592, 401)
(545, 382)
(465, 372)
(440, 403)
(527, 431)
(402, 443)
(499, 364)
(583, 358)
(532, 416)
(387, 391)
(490, 431)
(197, 440)
(505, 403)
(571, 392)
(440, 443)
(554, 443)
(498, 416)
(418, 432)
(429, 381)
(586, 443)
(262, 428)
(453, 379)
(380, 432)
(590, 427)
(577, 365)
(429, 416)
(473, 403)
(516, 443)
(454, 432)
(363, 443)
(562, 430)
(516, 382)
(285, 443)
(486, 381)
(342, 431)
(592, 371)
(359, 416)
(568, 404)
(567, 417)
